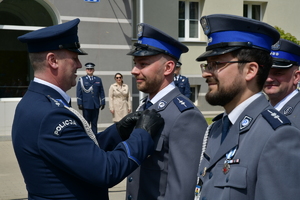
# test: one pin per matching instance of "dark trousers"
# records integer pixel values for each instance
(91, 116)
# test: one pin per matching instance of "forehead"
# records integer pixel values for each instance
(147, 58)
(223, 57)
(282, 70)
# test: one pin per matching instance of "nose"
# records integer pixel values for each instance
(135, 71)
(79, 65)
(270, 79)
(206, 74)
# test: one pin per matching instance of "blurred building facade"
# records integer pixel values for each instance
(108, 29)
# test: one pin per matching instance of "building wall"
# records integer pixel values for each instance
(108, 29)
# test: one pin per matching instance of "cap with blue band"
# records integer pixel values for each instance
(227, 33)
(285, 54)
(152, 41)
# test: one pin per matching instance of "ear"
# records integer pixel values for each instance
(169, 67)
(296, 77)
(52, 61)
(251, 70)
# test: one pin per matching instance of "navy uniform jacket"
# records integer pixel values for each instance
(183, 85)
(58, 159)
(94, 99)
(292, 110)
(268, 151)
(170, 173)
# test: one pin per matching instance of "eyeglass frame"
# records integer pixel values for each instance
(119, 77)
(216, 63)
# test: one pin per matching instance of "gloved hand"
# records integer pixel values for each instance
(102, 107)
(151, 121)
(126, 124)
(80, 107)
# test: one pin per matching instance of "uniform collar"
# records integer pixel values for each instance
(162, 93)
(236, 112)
(60, 91)
(281, 103)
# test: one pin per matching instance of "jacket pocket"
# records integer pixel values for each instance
(236, 177)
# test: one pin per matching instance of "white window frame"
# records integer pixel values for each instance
(250, 4)
(187, 22)
(195, 95)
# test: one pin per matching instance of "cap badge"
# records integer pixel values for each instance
(205, 25)
(140, 30)
(276, 46)
(210, 39)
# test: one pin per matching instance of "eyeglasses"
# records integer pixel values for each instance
(213, 66)
(118, 77)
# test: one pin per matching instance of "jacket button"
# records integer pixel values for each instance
(204, 198)
(129, 197)
(130, 179)
(210, 175)
(227, 179)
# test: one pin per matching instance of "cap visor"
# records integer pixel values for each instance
(216, 52)
(79, 51)
(282, 66)
(143, 53)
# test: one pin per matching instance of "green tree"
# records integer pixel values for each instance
(287, 36)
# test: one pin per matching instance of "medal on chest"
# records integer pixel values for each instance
(229, 160)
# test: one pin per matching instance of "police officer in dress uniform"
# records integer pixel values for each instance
(58, 154)
(281, 84)
(251, 151)
(182, 82)
(170, 172)
(90, 96)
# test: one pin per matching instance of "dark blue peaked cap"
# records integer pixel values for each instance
(61, 36)
(152, 41)
(285, 54)
(227, 33)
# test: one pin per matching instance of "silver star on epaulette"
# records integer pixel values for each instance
(181, 102)
(275, 116)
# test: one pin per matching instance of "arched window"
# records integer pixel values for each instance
(17, 18)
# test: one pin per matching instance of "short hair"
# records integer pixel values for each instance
(261, 57)
(37, 60)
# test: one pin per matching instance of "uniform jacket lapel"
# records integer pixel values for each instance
(241, 126)
(164, 101)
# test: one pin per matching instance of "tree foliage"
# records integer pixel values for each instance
(287, 36)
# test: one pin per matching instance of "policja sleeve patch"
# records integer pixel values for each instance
(62, 125)
(182, 104)
(275, 118)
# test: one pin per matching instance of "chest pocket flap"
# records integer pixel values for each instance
(236, 177)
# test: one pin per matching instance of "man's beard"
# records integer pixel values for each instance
(223, 95)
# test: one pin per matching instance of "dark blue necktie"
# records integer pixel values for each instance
(147, 105)
(225, 127)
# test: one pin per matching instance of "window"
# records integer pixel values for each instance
(188, 20)
(17, 19)
(253, 11)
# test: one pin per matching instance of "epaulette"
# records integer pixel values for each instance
(56, 102)
(275, 118)
(182, 104)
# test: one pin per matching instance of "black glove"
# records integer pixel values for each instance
(151, 121)
(102, 107)
(125, 126)
(80, 107)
